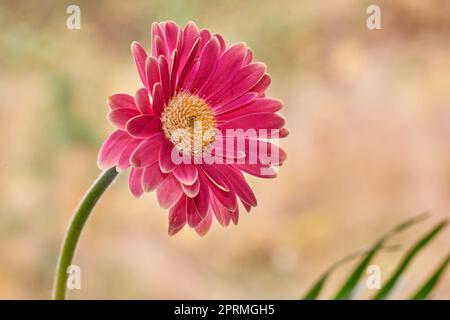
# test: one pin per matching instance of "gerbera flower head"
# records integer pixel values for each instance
(199, 122)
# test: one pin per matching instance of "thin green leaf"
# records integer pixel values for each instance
(431, 283)
(406, 224)
(314, 292)
(386, 289)
(317, 287)
(348, 288)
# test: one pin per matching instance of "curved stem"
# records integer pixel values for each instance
(76, 225)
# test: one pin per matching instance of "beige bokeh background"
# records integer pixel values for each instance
(368, 112)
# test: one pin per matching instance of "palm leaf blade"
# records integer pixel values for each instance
(431, 283)
(314, 292)
(347, 289)
(415, 249)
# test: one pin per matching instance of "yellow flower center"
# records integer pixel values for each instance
(189, 123)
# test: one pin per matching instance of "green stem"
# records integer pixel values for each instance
(76, 225)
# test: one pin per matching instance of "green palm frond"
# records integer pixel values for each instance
(314, 292)
(346, 291)
(429, 285)
(415, 249)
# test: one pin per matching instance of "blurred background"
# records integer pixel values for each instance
(368, 112)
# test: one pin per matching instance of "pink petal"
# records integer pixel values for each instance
(121, 101)
(193, 217)
(135, 182)
(226, 198)
(152, 72)
(174, 70)
(248, 57)
(262, 85)
(202, 199)
(255, 170)
(223, 45)
(208, 62)
(143, 101)
(119, 117)
(189, 37)
(168, 192)
(185, 70)
(158, 99)
(283, 133)
(237, 103)
(177, 216)
(165, 78)
(179, 50)
(246, 206)
(112, 148)
(171, 33)
(239, 185)
(191, 190)
(260, 134)
(157, 32)
(266, 153)
(160, 47)
(224, 148)
(244, 80)
(185, 173)
(140, 56)
(205, 36)
(123, 162)
(203, 227)
(228, 66)
(235, 216)
(256, 150)
(255, 121)
(152, 177)
(215, 176)
(165, 157)
(259, 105)
(144, 126)
(147, 152)
(222, 214)
(191, 76)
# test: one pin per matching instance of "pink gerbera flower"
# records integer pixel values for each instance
(193, 77)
